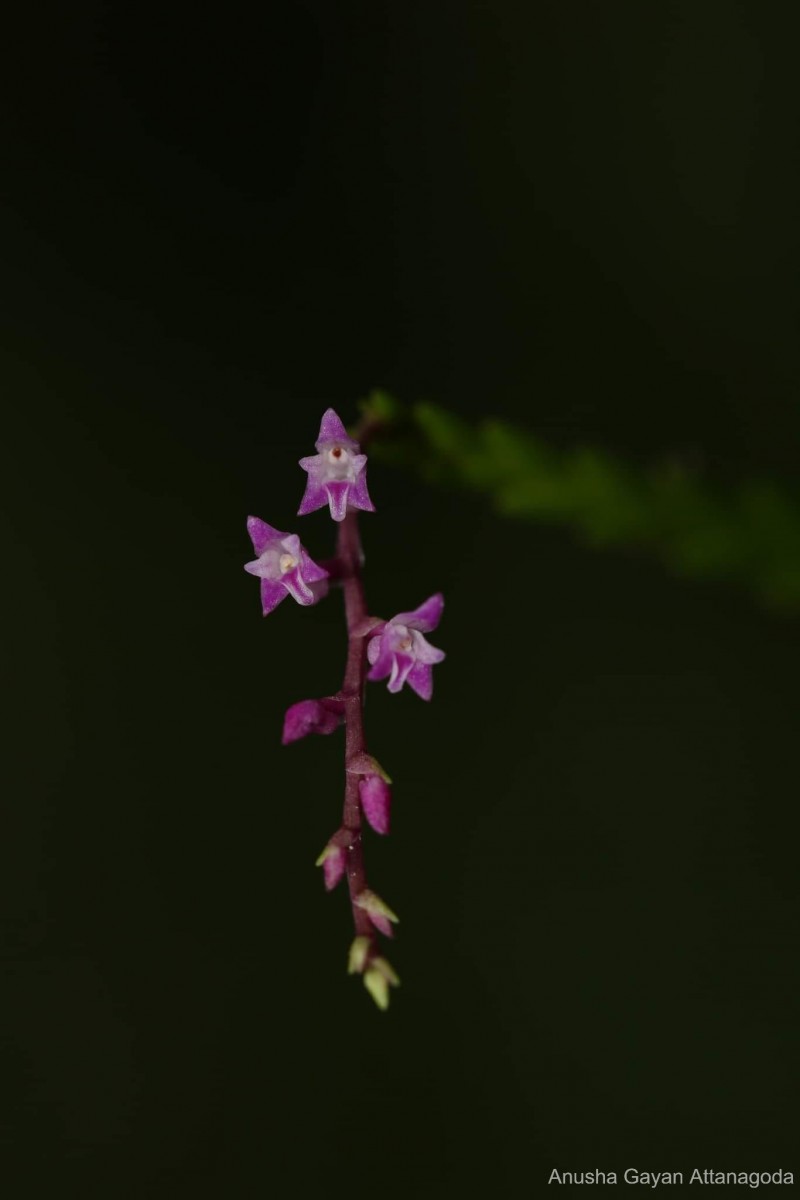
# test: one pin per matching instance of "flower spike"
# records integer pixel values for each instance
(376, 649)
(337, 474)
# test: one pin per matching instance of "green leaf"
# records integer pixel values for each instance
(750, 536)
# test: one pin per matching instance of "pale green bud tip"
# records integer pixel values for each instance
(326, 854)
(377, 978)
(358, 955)
(386, 969)
(377, 986)
(372, 903)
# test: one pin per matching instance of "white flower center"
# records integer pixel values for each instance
(338, 464)
(287, 562)
(403, 640)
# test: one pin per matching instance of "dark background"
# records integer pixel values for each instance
(215, 222)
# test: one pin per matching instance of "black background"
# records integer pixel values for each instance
(216, 222)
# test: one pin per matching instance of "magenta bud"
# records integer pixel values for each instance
(333, 870)
(377, 910)
(333, 861)
(311, 716)
(376, 800)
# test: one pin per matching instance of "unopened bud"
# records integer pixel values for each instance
(386, 969)
(377, 910)
(333, 861)
(359, 952)
(376, 800)
(311, 716)
(377, 978)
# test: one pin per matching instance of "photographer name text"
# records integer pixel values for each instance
(654, 1179)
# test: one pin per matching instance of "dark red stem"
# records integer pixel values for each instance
(351, 559)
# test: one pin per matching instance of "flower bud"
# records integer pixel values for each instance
(311, 716)
(333, 861)
(376, 800)
(377, 910)
(377, 978)
(359, 953)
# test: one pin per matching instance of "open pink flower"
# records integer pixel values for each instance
(337, 473)
(283, 567)
(398, 649)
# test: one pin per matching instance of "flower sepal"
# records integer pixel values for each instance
(368, 626)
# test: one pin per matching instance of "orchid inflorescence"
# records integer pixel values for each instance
(396, 649)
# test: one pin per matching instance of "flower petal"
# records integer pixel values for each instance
(272, 593)
(420, 678)
(312, 572)
(359, 496)
(261, 533)
(331, 429)
(424, 652)
(426, 617)
(314, 496)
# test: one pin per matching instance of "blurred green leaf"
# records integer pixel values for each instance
(751, 536)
